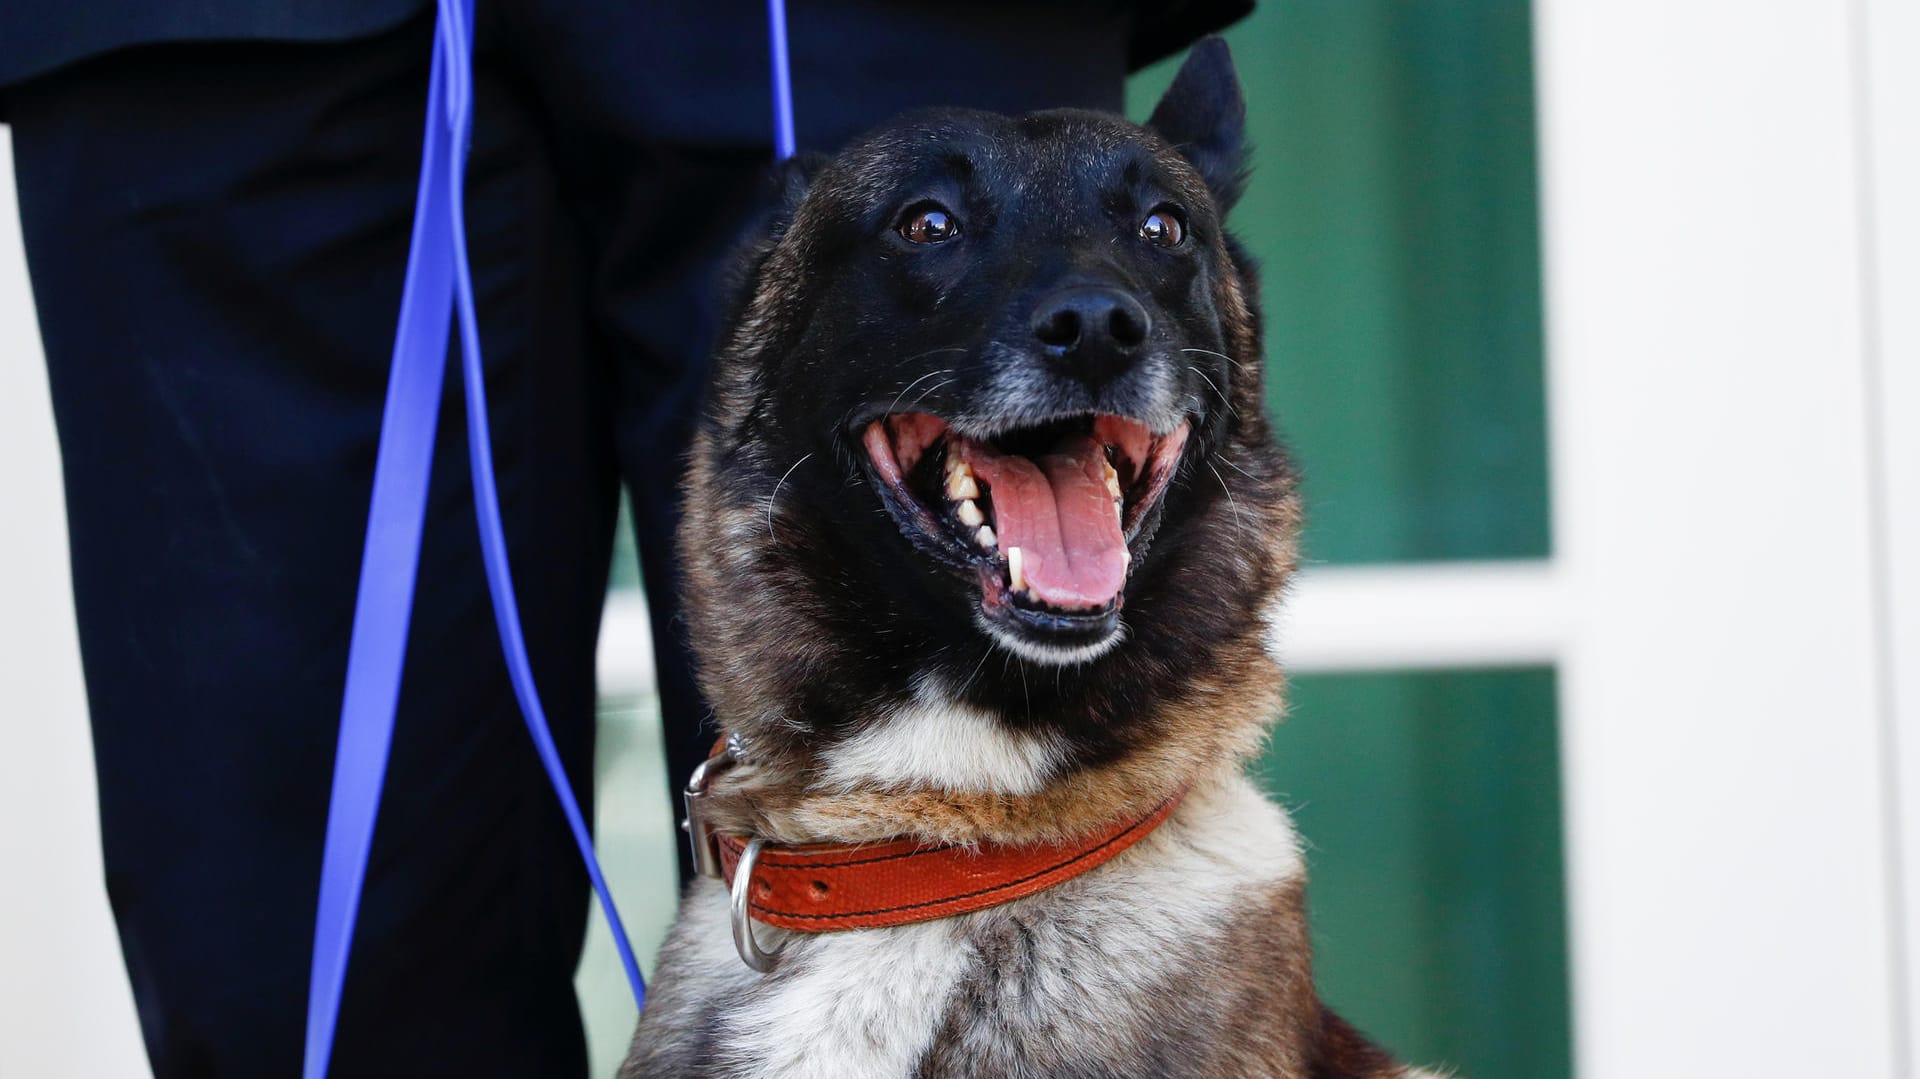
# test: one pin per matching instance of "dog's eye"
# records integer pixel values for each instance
(929, 224)
(1163, 228)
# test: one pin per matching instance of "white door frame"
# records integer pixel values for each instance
(1714, 364)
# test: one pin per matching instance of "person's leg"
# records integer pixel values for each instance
(216, 236)
(657, 315)
(662, 125)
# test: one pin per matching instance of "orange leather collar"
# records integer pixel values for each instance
(818, 888)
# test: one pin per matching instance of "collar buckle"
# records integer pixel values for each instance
(700, 834)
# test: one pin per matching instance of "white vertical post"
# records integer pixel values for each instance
(65, 1006)
(1728, 845)
(1888, 38)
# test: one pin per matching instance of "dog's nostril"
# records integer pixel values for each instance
(1126, 327)
(1060, 329)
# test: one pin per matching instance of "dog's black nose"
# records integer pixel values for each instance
(1095, 331)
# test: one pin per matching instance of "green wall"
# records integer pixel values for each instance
(1431, 805)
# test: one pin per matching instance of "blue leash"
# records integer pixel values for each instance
(437, 281)
(783, 143)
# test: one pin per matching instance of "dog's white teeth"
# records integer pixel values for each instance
(1016, 570)
(960, 482)
(985, 537)
(1113, 479)
(970, 514)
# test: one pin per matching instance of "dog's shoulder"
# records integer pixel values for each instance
(1341, 1052)
(695, 979)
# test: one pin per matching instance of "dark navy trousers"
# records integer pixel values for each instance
(216, 234)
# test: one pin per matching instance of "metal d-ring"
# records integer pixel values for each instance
(743, 940)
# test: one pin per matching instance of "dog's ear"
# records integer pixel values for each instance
(785, 189)
(1203, 115)
(790, 180)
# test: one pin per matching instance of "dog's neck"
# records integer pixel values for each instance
(958, 776)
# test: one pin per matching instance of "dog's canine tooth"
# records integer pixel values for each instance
(986, 538)
(1016, 571)
(970, 514)
(1113, 479)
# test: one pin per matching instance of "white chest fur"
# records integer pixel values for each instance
(868, 1004)
(864, 1003)
(934, 741)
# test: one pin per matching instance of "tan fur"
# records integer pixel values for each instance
(1224, 723)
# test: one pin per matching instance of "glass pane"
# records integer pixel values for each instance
(626, 552)
(1393, 210)
(637, 843)
(1430, 803)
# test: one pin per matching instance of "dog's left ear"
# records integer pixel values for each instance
(786, 188)
(1203, 115)
(790, 180)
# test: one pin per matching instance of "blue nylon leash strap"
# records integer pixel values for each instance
(438, 283)
(783, 141)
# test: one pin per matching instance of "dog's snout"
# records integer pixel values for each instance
(1096, 331)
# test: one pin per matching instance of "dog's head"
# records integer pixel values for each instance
(986, 433)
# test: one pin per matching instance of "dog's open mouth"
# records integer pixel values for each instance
(1046, 516)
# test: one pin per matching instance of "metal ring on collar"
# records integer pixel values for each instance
(743, 940)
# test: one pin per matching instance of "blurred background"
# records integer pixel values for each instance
(1596, 331)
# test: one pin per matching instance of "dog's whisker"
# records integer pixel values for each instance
(929, 352)
(1231, 411)
(1229, 463)
(1240, 522)
(909, 386)
(977, 668)
(772, 498)
(1221, 355)
(935, 388)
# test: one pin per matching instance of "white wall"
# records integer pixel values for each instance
(65, 1008)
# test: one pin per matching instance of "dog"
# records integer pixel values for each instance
(984, 531)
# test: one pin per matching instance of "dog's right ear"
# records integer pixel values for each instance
(1205, 118)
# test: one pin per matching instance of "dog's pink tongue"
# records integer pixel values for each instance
(1057, 510)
